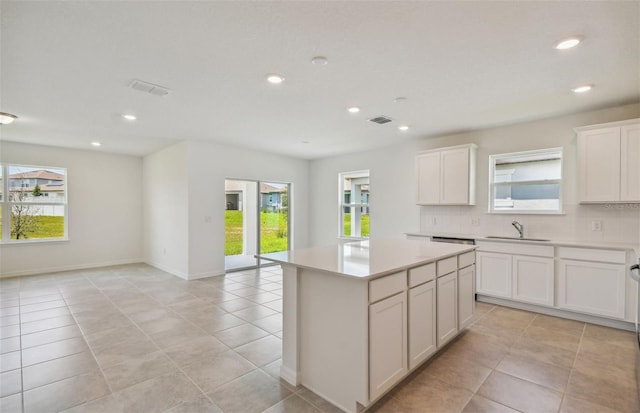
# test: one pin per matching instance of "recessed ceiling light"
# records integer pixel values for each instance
(7, 118)
(353, 109)
(129, 116)
(403, 128)
(275, 78)
(569, 42)
(96, 144)
(319, 60)
(582, 89)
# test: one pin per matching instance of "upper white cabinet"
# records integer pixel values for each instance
(446, 176)
(608, 167)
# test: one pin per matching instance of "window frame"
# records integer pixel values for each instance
(6, 206)
(524, 154)
(342, 176)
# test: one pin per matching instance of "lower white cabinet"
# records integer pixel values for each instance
(494, 274)
(447, 307)
(422, 323)
(533, 280)
(387, 343)
(592, 287)
(466, 296)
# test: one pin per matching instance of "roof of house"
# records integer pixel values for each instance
(40, 174)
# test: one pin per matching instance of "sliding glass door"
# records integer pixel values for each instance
(257, 220)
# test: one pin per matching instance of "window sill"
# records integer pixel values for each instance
(34, 241)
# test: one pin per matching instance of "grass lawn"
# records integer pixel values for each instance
(47, 227)
(274, 232)
(364, 224)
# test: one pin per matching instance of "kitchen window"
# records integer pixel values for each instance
(353, 202)
(33, 203)
(526, 182)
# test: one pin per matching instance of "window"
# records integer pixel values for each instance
(526, 182)
(33, 203)
(354, 204)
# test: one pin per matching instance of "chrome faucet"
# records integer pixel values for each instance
(519, 227)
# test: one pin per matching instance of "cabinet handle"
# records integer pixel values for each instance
(633, 268)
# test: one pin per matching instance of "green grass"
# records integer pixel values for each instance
(47, 227)
(364, 224)
(274, 232)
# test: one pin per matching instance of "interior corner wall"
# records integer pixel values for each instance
(209, 165)
(104, 211)
(166, 202)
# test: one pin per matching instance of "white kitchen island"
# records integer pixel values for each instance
(359, 316)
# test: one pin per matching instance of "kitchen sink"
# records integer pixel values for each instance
(518, 238)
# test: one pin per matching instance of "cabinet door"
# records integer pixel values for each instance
(533, 280)
(466, 295)
(422, 323)
(630, 163)
(428, 178)
(454, 178)
(387, 343)
(599, 165)
(591, 287)
(494, 274)
(447, 305)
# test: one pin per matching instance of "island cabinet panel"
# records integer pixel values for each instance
(422, 323)
(466, 295)
(387, 343)
(447, 308)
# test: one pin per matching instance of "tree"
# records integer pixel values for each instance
(24, 217)
(36, 191)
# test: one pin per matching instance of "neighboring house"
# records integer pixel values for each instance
(51, 184)
(272, 198)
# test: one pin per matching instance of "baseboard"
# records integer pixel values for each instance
(204, 275)
(70, 268)
(170, 270)
(290, 376)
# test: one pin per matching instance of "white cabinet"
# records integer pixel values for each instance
(466, 296)
(446, 176)
(422, 323)
(494, 274)
(521, 272)
(587, 286)
(608, 168)
(533, 280)
(387, 343)
(447, 307)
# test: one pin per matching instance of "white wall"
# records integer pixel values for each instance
(105, 211)
(393, 209)
(206, 166)
(166, 214)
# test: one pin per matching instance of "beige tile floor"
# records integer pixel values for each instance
(135, 339)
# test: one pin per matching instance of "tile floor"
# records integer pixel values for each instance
(135, 339)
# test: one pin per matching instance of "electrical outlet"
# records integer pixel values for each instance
(596, 225)
(434, 221)
(475, 222)
(164, 251)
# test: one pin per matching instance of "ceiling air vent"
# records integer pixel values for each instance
(149, 88)
(381, 120)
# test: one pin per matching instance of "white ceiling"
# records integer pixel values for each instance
(65, 69)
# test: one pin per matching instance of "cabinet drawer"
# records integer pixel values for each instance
(447, 266)
(466, 259)
(591, 254)
(422, 274)
(387, 286)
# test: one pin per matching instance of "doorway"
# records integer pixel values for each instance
(257, 220)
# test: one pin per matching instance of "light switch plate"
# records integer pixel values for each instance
(596, 225)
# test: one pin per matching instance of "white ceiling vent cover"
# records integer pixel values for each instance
(381, 120)
(150, 88)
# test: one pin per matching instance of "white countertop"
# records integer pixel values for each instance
(556, 243)
(368, 259)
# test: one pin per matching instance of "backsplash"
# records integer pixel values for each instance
(617, 222)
